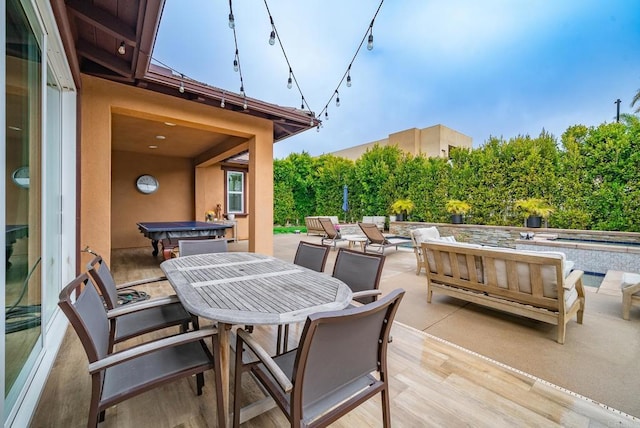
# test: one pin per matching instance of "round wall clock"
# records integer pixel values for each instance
(21, 177)
(147, 184)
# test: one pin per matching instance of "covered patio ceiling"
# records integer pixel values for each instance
(96, 32)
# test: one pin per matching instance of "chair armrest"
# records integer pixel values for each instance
(631, 289)
(141, 306)
(265, 358)
(366, 293)
(574, 280)
(147, 348)
(140, 282)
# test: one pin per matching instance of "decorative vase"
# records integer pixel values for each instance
(456, 219)
(534, 221)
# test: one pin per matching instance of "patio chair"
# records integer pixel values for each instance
(377, 241)
(116, 377)
(420, 235)
(361, 272)
(331, 235)
(191, 247)
(136, 318)
(630, 293)
(340, 363)
(312, 256)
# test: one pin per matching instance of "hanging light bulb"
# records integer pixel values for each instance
(290, 80)
(337, 99)
(348, 80)
(302, 104)
(318, 128)
(181, 88)
(232, 22)
(272, 38)
(311, 122)
(122, 49)
(370, 40)
(242, 90)
(222, 102)
(244, 105)
(236, 67)
(326, 115)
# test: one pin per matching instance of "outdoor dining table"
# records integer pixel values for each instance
(238, 288)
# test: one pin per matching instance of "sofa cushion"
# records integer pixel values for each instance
(629, 279)
(549, 278)
(462, 260)
(421, 234)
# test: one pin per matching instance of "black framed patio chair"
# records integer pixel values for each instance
(116, 377)
(136, 318)
(341, 362)
(192, 247)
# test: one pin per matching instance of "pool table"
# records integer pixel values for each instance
(168, 233)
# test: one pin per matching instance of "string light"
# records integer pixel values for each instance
(222, 101)
(232, 22)
(236, 64)
(289, 80)
(370, 40)
(244, 104)
(122, 49)
(337, 98)
(272, 37)
(326, 115)
(181, 88)
(302, 104)
(349, 77)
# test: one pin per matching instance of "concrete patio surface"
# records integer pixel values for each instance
(599, 359)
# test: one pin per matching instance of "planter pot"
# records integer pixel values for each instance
(231, 216)
(392, 218)
(456, 219)
(534, 221)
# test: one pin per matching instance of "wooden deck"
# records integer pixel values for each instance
(433, 383)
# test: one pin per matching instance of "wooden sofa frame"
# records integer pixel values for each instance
(470, 274)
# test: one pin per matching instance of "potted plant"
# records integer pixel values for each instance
(533, 210)
(457, 209)
(402, 208)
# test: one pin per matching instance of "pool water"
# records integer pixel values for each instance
(592, 279)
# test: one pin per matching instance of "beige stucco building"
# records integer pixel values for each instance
(432, 141)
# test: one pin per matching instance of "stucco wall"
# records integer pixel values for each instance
(101, 98)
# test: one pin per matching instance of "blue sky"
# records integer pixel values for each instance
(496, 67)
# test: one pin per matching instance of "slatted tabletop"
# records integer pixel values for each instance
(250, 288)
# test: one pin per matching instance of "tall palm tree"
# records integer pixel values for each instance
(636, 99)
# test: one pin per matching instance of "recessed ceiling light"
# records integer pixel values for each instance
(160, 137)
(15, 128)
(170, 124)
(153, 146)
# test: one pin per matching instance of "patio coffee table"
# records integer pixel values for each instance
(354, 239)
(250, 288)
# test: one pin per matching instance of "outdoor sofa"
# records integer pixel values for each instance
(536, 285)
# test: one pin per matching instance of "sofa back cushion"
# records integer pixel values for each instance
(461, 259)
(421, 234)
(524, 271)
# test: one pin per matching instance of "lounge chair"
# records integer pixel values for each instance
(341, 362)
(377, 241)
(331, 235)
(378, 220)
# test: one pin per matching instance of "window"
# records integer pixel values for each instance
(235, 192)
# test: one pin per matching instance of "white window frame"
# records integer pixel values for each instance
(229, 192)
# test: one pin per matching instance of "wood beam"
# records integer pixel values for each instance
(103, 20)
(221, 152)
(103, 58)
